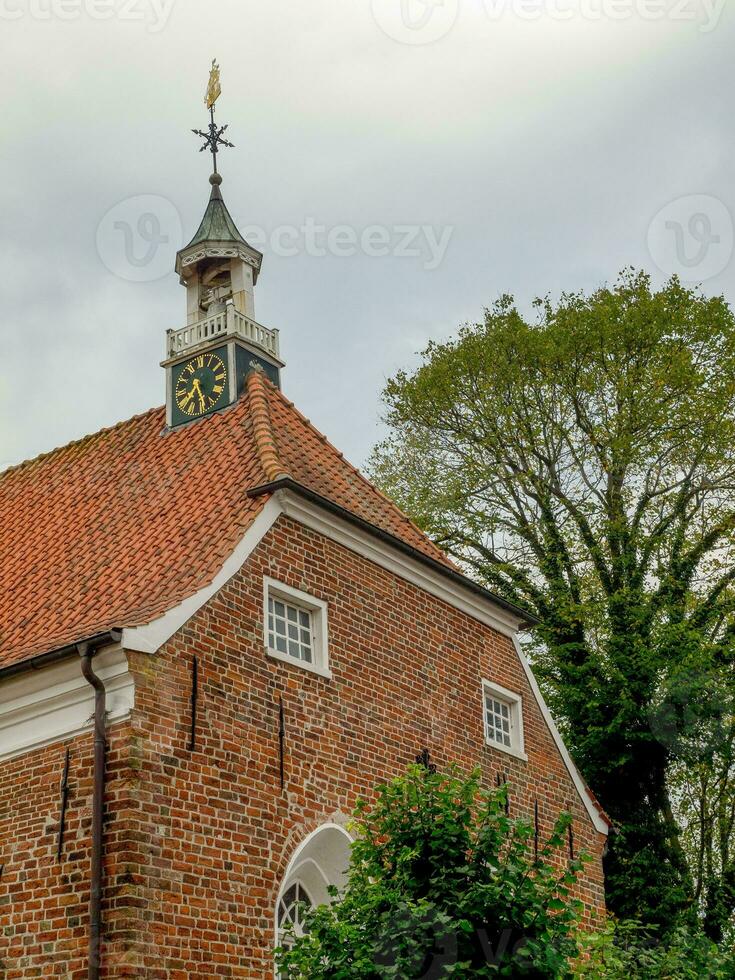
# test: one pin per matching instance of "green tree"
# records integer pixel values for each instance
(628, 951)
(443, 883)
(583, 466)
(703, 785)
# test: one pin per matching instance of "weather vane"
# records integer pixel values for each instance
(213, 138)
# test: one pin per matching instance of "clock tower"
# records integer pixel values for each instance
(208, 359)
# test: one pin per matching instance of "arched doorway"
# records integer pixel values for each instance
(321, 860)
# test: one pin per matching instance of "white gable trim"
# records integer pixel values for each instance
(600, 825)
(393, 560)
(152, 636)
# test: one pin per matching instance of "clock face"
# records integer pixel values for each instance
(201, 385)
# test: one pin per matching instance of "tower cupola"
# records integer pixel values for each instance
(209, 357)
(218, 264)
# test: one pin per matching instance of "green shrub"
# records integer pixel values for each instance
(628, 951)
(443, 883)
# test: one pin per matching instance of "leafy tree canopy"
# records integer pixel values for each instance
(628, 951)
(582, 464)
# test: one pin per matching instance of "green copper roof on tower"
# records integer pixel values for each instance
(217, 224)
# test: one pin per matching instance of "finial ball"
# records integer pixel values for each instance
(215, 179)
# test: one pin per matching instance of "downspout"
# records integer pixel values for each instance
(87, 650)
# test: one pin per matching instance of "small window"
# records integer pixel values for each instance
(296, 627)
(290, 630)
(503, 714)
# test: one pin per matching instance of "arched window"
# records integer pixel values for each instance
(323, 859)
(290, 912)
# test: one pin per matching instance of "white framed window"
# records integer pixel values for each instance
(295, 627)
(503, 719)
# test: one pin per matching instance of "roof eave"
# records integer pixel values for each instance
(526, 620)
(48, 658)
(216, 248)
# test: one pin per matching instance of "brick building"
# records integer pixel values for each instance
(215, 635)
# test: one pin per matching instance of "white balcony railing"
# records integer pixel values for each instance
(228, 323)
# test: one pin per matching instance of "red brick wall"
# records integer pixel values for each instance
(44, 901)
(197, 843)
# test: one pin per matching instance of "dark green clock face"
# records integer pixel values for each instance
(200, 385)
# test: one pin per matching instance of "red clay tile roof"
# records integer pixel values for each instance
(115, 529)
(291, 446)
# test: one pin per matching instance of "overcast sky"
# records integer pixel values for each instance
(400, 162)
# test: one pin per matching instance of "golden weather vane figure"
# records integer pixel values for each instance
(214, 89)
(213, 136)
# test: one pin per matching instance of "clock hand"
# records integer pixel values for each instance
(197, 387)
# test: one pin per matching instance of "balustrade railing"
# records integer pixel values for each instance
(229, 322)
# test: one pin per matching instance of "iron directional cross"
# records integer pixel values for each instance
(213, 136)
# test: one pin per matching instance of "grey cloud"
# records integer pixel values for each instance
(546, 148)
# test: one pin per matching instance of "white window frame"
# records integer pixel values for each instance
(273, 589)
(280, 929)
(515, 704)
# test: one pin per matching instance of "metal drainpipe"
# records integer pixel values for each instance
(87, 652)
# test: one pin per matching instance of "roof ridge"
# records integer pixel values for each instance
(360, 475)
(79, 441)
(265, 439)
